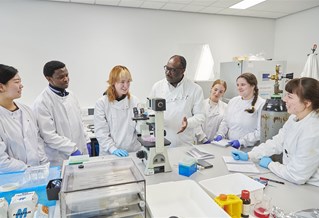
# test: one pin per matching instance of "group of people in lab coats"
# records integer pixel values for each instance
(51, 131)
(56, 130)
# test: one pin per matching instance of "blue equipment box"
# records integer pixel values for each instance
(39, 188)
(186, 169)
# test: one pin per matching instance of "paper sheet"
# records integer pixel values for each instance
(240, 165)
(223, 143)
(230, 160)
(244, 168)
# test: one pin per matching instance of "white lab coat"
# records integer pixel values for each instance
(60, 123)
(20, 143)
(184, 100)
(214, 113)
(299, 142)
(113, 124)
(241, 125)
(311, 68)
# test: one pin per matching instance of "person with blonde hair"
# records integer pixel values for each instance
(214, 113)
(241, 124)
(114, 127)
(298, 139)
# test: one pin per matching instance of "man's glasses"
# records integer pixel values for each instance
(170, 69)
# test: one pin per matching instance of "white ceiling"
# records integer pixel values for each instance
(268, 9)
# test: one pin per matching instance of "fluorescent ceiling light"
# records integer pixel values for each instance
(246, 4)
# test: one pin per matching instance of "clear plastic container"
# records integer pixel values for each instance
(37, 174)
(262, 209)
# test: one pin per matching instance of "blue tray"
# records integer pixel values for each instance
(39, 188)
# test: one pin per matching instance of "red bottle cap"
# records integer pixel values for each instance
(245, 194)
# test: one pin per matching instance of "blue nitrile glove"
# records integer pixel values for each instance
(76, 153)
(89, 147)
(218, 138)
(264, 162)
(239, 155)
(207, 142)
(234, 144)
(120, 153)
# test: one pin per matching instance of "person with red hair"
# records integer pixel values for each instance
(113, 113)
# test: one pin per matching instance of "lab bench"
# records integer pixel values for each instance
(289, 197)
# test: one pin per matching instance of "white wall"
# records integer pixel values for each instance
(91, 39)
(294, 38)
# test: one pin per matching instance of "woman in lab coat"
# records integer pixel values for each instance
(214, 113)
(298, 139)
(241, 124)
(114, 127)
(20, 143)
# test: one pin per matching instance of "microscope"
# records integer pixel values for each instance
(151, 133)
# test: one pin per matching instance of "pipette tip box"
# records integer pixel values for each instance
(187, 167)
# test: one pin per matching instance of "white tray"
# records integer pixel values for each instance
(181, 199)
(233, 184)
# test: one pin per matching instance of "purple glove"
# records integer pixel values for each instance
(239, 155)
(76, 153)
(264, 162)
(218, 138)
(234, 144)
(120, 153)
(207, 142)
(89, 147)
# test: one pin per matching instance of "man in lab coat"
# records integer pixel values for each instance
(184, 103)
(58, 115)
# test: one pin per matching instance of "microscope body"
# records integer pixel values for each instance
(154, 153)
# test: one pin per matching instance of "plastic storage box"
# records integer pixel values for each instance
(106, 188)
(233, 184)
(181, 199)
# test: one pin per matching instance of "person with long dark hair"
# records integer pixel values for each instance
(298, 139)
(241, 124)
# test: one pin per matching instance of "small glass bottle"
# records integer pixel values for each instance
(245, 197)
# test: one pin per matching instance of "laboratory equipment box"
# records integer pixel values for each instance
(103, 188)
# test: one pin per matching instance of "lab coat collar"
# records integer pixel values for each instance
(58, 91)
(178, 84)
(311, 114)
(121, 98)
(6, 111)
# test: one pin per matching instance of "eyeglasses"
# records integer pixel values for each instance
(170, 69)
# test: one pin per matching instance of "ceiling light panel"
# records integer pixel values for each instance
(246, 4)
